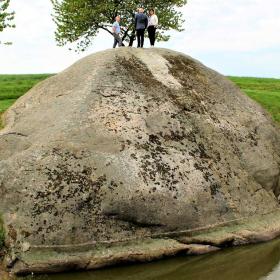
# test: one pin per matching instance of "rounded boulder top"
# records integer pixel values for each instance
(133, 154)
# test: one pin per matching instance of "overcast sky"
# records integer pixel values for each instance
(240, 37)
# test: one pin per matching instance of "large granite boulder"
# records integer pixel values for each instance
(132, 154)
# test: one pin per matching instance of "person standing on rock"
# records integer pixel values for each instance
(116, 32)
(141, 23)
(133, 36)
(152, 26)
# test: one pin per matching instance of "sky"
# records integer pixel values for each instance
(240, 38)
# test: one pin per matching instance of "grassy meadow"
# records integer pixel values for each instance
(14, 86)
(263, 90)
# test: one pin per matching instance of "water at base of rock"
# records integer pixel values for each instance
(259, 262)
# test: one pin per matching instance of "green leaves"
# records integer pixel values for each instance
(6, 17)
(79, 21)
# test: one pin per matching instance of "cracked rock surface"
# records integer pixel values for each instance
(129, 144)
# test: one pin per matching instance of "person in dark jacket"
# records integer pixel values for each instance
(141, 23)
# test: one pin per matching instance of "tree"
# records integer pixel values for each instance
(5, 17)
(79, 21)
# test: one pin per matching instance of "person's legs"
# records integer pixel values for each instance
(138, 38)
(119, 39)
(115, 43)
(142, 37)
(115, 40)
(150, 34)
(153, 35)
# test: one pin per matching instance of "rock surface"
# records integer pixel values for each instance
(131, 144)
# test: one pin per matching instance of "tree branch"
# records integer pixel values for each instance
(106, 29)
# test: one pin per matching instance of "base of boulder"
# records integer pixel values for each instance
(54, 259)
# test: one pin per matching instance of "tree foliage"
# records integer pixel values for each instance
(6, 17)
(79, 21)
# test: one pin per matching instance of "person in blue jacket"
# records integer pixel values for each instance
(141, 23)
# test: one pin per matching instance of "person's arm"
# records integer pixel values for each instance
(135, 21)
(156, 21)
(146, 22)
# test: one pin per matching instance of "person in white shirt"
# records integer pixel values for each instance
(152, 26)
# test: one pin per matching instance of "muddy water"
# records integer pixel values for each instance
(258, 262)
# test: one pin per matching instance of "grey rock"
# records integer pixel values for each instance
(129, 144)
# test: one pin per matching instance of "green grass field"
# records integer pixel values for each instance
(14, 86)
(264, 91)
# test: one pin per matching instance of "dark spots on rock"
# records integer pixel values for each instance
(154, 168)
(126, 116)
(191, 136)
(146, 109)
(70, 188)
(253, 139)
(236, 151)
(113, 185)
(207, 176)
(174, 136)
(67, 154)
(12, 233)
(25, 233)
(202, 151)
(122, 147)
(41, 208)
(154, 139)
(214, 189)
(134, 156)
(146, 156)
(195, 208)
(198, 166)
(87, 171)
(160, 149)
(217, 156)
(214, 117)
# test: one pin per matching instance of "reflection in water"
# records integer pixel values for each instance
(248, 263)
